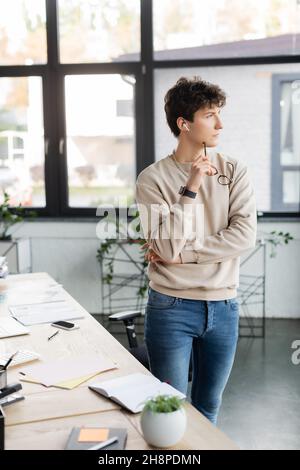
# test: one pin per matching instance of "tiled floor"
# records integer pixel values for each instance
(261, 403)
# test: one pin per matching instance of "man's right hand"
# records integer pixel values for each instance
(201, 166)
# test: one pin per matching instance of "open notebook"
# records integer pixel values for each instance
(132, 391)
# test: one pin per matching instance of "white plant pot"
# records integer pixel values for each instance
(163, 429)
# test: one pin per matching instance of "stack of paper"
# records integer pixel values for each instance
(46, 312)
(35, 292)
(68, 372)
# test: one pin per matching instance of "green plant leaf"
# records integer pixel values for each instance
(164, 404)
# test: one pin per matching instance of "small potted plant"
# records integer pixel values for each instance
(16, 250)
(163, 420)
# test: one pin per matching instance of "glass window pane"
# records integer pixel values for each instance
(109, 30)
(291, 187)
(100, 139)
(23, 32)
(247, 117)
(290, 123)
(22, 141)
(189, 29)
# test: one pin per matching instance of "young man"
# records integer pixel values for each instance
(192, 306)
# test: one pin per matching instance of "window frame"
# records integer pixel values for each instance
(278, 168)
(53, 74)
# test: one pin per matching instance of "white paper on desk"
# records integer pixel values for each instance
(61, 370)
(46, 312)
(35, 292)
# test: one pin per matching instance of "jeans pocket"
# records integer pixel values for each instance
(234, 305)
(233, 317)
(159, 300)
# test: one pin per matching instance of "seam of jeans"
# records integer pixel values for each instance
(162, 307)
(211, 316)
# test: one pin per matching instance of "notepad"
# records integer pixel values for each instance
(22, 356)
(93, 434)
(68, 372)
(132, 391)
(84, 438)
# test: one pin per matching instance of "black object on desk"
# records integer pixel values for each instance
(74, 444)
(8, 395)
(10, 389)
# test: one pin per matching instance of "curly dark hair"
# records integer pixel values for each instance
(189, 95)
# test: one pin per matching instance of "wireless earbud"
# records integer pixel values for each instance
(185, 125)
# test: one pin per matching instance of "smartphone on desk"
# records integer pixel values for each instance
(65, 325)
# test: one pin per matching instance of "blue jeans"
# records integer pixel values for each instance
(175, 328)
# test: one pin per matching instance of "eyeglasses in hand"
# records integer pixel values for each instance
(224, 179)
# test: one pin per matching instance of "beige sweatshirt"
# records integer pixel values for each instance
(209, 233)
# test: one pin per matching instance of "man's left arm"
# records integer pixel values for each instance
(240, 235)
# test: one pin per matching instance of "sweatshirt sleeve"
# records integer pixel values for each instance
(240, 235)
(166, 228)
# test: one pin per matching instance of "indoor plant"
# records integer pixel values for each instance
(16, 250)
(10, 216)
(163, 420)
(108, 248)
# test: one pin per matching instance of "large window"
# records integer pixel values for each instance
(23, 32)
(189, 29)
(286, 141)
(69, 95)
(98, 30)
(22, 141)
(82, 85)
(100, 139)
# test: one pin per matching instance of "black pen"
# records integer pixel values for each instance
(54, 334)
(9, 361)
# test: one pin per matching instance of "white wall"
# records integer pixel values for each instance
(67, 251)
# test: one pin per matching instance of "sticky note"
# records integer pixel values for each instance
(93, 434)
(69, 384)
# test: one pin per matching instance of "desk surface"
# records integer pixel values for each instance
(45, 418)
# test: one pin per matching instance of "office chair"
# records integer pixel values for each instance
(139, 351)
(128, 318)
